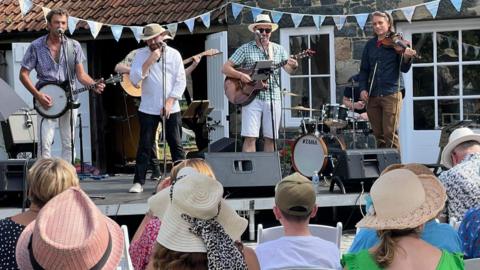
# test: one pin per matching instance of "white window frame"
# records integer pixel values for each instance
(285, 34)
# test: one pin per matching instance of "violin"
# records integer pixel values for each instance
(397, 42)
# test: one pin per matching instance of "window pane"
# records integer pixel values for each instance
(423, 114)
(320, 61)
(447, 80)
(298, 44)
(471, 45)
(471, 110)
(471, 80)
(422, 81)
(424, 46)
(448, 111)
(300, 86)
(320, 92)
(447, 46)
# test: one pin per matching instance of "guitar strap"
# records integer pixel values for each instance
(71, 58)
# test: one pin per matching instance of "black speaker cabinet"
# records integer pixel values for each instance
(12, 172)
(259, 169)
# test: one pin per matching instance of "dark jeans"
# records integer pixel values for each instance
(146, 147)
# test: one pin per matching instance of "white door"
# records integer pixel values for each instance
(215, 79)
(15, 62)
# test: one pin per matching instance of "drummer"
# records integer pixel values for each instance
(360, 111)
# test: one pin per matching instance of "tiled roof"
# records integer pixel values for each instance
(122, 12)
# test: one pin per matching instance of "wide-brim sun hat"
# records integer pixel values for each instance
(262, 19)
(153, 30)
(458, 136)
(198, 196)
(403, 200)
(71, 233)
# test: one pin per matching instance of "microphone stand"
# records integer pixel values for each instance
(353, 117)
(164, 115)
(270, 85)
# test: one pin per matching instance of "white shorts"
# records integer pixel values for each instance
(252, 118)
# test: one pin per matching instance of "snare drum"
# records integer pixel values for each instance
(335, 115)
(360, 126)
(314, 127)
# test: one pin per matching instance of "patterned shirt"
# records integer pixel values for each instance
(141, 249)
(462, 183)
(9, 234)
(248, 54)
(128, 60)
(469, 232)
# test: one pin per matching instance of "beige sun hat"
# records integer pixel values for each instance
(403, 200)
(458, 136)
(153, 30)
(198, 196)
(262, 19)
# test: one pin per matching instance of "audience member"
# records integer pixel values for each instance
(198, 227)
(70, 233)
(469, 232)
(402, 203)
(440, 235)
(294, 206)
(47, 178)
(462, 181)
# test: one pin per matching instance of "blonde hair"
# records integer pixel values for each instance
(388, 17)
(197, 163)
(49, 177)
(385, 252)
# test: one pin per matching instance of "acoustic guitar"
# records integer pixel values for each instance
(240, 93)
(134, 91)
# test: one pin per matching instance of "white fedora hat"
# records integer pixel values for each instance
(458, 136)
(262, 19)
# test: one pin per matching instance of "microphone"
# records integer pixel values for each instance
(258, 34)
(400, 43)
(60, 31)
(28, 120)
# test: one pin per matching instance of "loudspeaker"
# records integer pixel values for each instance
(20, 132)
(12, 172)
(223, 145)
(359, 164)
(258, 169)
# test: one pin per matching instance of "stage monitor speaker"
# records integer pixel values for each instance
(20, 132)
(12, 172)
(358, 164)
(223, 145)
(258, 169)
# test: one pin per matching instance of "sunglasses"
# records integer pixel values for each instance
(266, 30)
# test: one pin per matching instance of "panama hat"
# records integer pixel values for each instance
(458, 136)
(198, 196)
(71, 233)
(153, 30)
(401, 199)
(262, 19)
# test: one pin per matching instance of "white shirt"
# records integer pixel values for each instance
(298, 251)
(152, 84)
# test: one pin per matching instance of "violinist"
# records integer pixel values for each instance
(384, 57)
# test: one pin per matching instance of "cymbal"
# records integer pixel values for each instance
(301, 108)
(286, 93)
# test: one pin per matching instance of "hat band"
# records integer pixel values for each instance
(263, 21)
(100, 264)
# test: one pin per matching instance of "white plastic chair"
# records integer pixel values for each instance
(454, 223)
(329, 233)
(125, 261)
(472, 264)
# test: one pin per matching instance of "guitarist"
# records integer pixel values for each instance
(46, 56)
(258, 112)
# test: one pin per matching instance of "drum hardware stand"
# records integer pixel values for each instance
(80, 134)
(210, 128)
(354, 135)
(238, 110)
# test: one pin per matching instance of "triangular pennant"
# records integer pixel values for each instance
(297, 19)
(408, 12)
(477, 50)
(389, 11)
(449, 40)
(45, 12)
(172, 28)
(94, 28)
(25, 6)
(137, 32)
(72, 24)
(236, 9)
(318, 21)
(339, 21)
(361, 19)
(457, 4)
(276, 16)
(433, 7)
(255, 12)
(116, 31)
(190, 24)
(206, 19)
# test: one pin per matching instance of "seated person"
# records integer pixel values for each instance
(469, 232)
(70, 233)
(358, 104)
(47, 178)
(402, 203)
(294, 206)
(440, 235)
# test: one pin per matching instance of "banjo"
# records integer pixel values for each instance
(60, 97)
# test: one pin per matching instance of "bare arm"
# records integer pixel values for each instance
(122, 68)
(193, 66)
(229, 70)
(45, 100)
(251, 258)
(85, 79)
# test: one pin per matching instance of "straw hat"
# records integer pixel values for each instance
(416, 168)
(458, 136)
(71, 233)
(198, 196)
(153, 30)
(404, 200)
(262, 19)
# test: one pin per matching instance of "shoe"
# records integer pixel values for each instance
(156, 175)
(136, 188)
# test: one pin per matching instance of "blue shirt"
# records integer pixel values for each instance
(440, 235)
(469, 232)
(388, 69)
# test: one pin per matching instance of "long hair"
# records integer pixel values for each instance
(166, 259)
(385, 252)
(388, 17)
(197, 163)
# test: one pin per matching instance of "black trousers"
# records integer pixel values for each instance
(146, 148)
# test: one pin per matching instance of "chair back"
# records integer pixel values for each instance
(454, 223)
(125, 261)
(472, 264)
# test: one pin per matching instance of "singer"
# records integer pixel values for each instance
(258, 113)
(46, 56)
(160, 69)
(380, 81)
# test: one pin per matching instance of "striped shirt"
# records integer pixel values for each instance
(249, 53)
